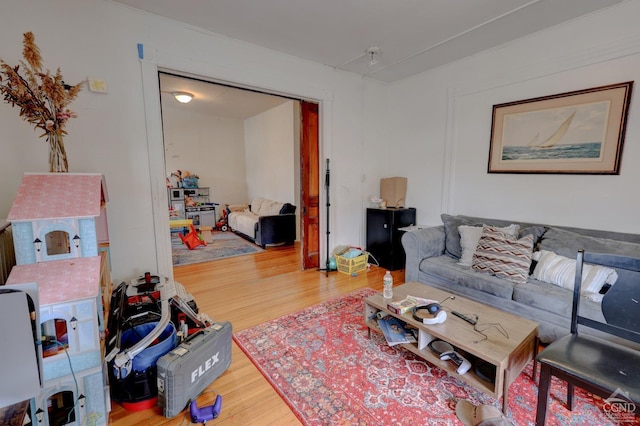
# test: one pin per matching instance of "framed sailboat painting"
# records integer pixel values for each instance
(580, 132)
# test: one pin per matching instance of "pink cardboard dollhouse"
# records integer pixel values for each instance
(55, 216)
(55, 220)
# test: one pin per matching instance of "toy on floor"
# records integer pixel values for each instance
(191, 240)
(205, 234)
(221, 225)
(202, 414)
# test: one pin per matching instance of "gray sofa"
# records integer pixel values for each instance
(433, 256)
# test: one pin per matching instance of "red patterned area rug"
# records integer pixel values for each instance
(323, 364)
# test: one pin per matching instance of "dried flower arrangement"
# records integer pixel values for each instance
(43, 98)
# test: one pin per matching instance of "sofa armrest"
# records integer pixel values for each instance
(280, 228)
(420, 244)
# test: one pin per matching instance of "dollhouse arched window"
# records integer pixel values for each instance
(55, 337)
(60, 408)
(57, 242)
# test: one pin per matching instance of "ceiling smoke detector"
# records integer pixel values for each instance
(372, 52)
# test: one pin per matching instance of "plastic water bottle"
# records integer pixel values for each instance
(387, 283)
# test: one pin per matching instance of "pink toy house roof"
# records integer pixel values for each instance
(61, 281)
(57, 196)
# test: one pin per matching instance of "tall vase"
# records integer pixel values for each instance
(57, 154)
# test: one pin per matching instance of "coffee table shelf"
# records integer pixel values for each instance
(447, 366)
(509, 355)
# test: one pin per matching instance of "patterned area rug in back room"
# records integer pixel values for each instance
(326, 368)
(225, 244)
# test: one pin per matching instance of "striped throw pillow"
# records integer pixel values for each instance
(470, 235)
(560, 270)
(503, 255)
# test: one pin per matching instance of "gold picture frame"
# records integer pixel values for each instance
(580, 132)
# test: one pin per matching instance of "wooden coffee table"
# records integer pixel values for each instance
(509, 354)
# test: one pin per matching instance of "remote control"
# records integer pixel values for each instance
(464, 317)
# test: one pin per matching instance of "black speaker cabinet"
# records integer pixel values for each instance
(383, 235)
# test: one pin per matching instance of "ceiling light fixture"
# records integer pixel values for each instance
(372, 52)
(183, 97)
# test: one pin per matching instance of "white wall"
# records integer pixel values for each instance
(211, 147)
(432, 128)
(272, 146)
(443, 122)
(99, 39)
(269, 154)
(378, 146)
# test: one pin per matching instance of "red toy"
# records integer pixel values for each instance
(221, 225)
(191, 240)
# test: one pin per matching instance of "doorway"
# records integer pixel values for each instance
(242, 144)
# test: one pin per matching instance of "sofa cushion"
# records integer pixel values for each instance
(567, 243)
(500, 254)
(536, 231)
(447, 268)
(265, 207)
(270, 208)
(452, 234)
(244, 222)
(237, 208)
(255, 205)
(559, 270)
(470, 235)
(553, 298)
(287, 208)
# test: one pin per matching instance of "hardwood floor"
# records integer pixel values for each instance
(249, 290)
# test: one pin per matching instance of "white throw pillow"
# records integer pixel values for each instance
(470, 235)
(559, 270)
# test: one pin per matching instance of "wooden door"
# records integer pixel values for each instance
(309, 185)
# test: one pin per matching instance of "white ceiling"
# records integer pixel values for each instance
(214, 99)
(411, 35)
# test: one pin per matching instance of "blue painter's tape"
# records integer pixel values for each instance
(140, 51)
